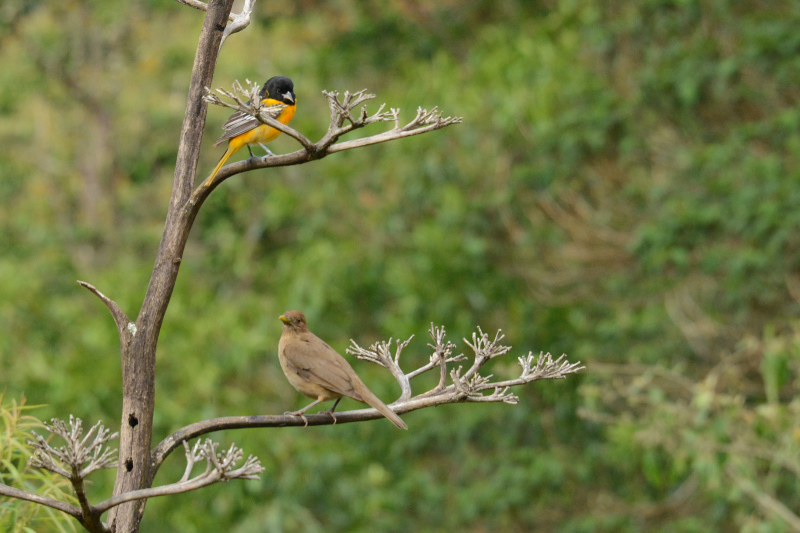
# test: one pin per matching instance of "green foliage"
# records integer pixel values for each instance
(16, 516)
(623, 189)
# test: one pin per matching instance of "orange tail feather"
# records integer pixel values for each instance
(232, 149)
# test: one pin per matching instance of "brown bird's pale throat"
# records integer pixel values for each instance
(318, 371)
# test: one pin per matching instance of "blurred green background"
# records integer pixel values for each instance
(625, 189)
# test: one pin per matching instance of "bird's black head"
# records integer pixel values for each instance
(279, 88)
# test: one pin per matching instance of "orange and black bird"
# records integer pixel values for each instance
(242, 129)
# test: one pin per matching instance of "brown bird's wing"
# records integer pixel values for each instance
(241, 122)
(317, 362)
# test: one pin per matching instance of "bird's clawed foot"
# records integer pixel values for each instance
(330, 412)
(300, 414)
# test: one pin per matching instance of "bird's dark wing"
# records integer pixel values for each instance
(241, 122)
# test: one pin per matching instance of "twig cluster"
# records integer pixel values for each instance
(246, 100)
(84, 454)
(347, 113)
(342, 110)
(381, 353)
(220, 466)
(470, 386)
(77, 452)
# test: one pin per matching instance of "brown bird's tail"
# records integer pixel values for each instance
(373, 401)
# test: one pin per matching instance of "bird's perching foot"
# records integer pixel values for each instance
(300, 414)
(329, 412)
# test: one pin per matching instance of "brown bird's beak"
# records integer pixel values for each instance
(285, 320)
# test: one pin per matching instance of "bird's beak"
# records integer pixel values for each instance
(285, 320)
(288, 96)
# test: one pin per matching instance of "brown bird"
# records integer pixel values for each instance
(317, 371)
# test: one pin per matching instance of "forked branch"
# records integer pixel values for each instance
(248, 101)
(74, 461)
(471, 386)
(220, 466)
(236, 21)
(84, 454)
(453, 386)
(125, 327)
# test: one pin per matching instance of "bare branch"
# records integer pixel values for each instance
(197, 4)
(341, 110)
(138, 356)
(380, 353)
(344, 119)
(202, 6)
(546, 367)
(485, 350)
(77, 452)
(220, 466)
(82, 455)
(192, 456)
(236, 22)
(468, 387)
(248, 101)
(391, 135)
(240, 21)
(125, 327)
(441, 349)
(441, 352)
(71, 510)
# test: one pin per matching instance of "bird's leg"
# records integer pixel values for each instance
(269, 152)
(251, 152)
(303, 410)
(330, 411)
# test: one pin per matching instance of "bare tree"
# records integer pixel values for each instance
(138, 463)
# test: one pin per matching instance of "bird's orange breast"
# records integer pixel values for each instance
(264, 133)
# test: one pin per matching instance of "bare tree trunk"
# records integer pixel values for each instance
(139, 348)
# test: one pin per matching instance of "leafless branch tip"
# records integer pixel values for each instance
(220, 466)
(81, 455)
